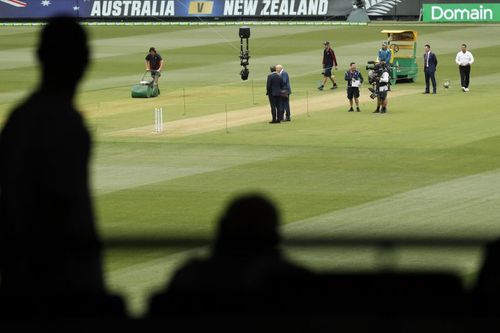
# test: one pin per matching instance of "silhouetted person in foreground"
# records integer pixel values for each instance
(246, 273)
(50, 251)
(488, 280)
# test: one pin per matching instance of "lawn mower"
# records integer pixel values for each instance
(146, 88)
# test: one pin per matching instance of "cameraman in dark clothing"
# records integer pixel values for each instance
(379, 77)
(154, 63)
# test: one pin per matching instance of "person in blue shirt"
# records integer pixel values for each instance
(354, 80)
(384, 54)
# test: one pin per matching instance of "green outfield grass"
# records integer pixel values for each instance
(431, 167)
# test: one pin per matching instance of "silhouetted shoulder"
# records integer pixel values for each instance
(50, 249)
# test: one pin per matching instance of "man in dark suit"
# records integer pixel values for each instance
(273, 90)
(430, 64)
(286, 91)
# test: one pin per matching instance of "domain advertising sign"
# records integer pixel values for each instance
(462, 12)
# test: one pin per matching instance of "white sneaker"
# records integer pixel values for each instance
(463, 89)
(466, 89)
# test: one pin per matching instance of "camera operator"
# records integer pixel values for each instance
(381, 80)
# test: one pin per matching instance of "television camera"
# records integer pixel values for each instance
(244, 34)
(375, 71)
(358, 3)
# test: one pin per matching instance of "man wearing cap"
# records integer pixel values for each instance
(329, 61)
(384, 54)
(384, 57)
(154, 63)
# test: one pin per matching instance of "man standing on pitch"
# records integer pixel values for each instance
(329, 61)
(382, 89)
(154, 63)
(273, 91)
(384, 56)
(354, 80)
(430, 64)
(464, 59)
(286, 91)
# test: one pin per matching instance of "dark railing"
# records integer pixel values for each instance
(197, 241)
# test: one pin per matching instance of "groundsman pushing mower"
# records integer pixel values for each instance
(145, 88)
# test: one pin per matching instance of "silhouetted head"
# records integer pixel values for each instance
(63, 51)
(249, 225)
(152, 51)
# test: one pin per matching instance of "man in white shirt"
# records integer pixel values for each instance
(464, 60)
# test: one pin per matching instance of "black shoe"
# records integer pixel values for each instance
(425, 92)
(358, 110)
(320, 88)
(287, 119)
(334, 87)
(434, 93)
(274, 122)
(383, 111)
(350, 110)
(376, 111)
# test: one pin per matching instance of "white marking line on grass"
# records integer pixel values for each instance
(168, 40)
(465, 206)
(471, 204)
(112, 178)
(217, 121)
